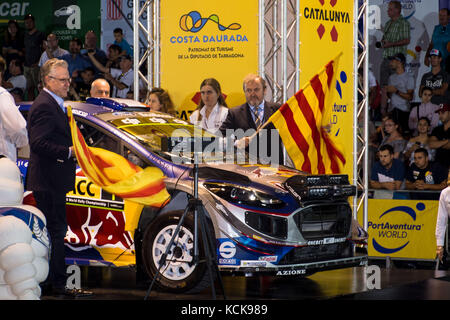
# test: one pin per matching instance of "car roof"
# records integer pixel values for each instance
(95, 106)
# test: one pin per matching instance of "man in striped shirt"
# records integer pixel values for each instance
(395, 39)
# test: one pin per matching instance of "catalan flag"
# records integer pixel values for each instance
(301, 123)
(117, 175)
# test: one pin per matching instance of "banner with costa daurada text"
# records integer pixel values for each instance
(207, 39)
(402, 228)
(326, 28)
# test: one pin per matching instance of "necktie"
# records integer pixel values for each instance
(257, 119)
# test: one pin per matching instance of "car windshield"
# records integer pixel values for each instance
(173, 138)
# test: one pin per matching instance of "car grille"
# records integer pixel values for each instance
(319, 221)
(317, 253)
(271, 225)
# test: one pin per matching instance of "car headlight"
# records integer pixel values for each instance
(246, 196)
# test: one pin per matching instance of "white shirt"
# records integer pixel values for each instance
(126, 78)
(13, 127)
(442, 218)
(214, 121)
(59, 52)
(18, 82)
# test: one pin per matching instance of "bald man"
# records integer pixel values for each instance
(100, 88)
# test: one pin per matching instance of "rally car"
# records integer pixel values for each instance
(263, 219)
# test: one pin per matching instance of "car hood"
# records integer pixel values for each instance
(248, 174)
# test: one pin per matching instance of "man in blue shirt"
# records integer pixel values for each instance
(440, 38)
(121, 42)
(387, 173)
(76, 61)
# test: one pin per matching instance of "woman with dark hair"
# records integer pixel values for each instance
(13, 43)
(419, 141)
(393, 136)
(212, 109)
(159, 100)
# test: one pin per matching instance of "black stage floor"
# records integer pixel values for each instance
(342, 284)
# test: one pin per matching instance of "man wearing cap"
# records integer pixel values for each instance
(122, 79)
(440, 38)
(436, 79)
(440, 136)
(401, 89)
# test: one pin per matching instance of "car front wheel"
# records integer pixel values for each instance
(179, 273)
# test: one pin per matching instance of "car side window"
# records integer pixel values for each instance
(97, 138)
(134, 157)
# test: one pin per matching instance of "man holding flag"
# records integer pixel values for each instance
(250, 118)
(51, 171)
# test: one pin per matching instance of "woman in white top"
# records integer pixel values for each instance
(212, 109)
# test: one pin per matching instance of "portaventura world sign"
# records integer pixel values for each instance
(326, 15)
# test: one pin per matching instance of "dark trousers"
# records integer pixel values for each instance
(53, 205)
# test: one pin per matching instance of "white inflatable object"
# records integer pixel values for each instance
(24, 241)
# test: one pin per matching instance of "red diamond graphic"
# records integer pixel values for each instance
(322, 2)
(333, 2)
(334, 34)
(320, 31)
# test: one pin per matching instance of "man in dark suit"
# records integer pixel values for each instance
(51, 170)
(250, 117)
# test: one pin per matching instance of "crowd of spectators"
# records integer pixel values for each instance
(26, 49)
(410, 147)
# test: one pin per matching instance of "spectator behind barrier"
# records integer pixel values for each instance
(425, 175)
(13, 45)
(436, 79)
(387, 173)
(419, 141)
(440, 136)
(401, 89)
(440, 38)
(122, 43)
(75, 60)
(33, 41)
(52, 49)
(425, 109)
(393, 137)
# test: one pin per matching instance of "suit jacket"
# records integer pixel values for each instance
(48, 127)
(241, 118)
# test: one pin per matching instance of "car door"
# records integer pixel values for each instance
(96, 218)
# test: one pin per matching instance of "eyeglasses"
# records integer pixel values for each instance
(62, 80)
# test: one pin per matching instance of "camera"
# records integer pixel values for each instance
(91, 50)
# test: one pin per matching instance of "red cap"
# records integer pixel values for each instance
(443, 107)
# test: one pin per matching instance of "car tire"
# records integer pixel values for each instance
(181, 276)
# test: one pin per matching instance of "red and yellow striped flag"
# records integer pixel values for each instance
(117, 175)
(301, 120)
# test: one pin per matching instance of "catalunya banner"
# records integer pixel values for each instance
(302, 121)
(117, 175)
(325, 27)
